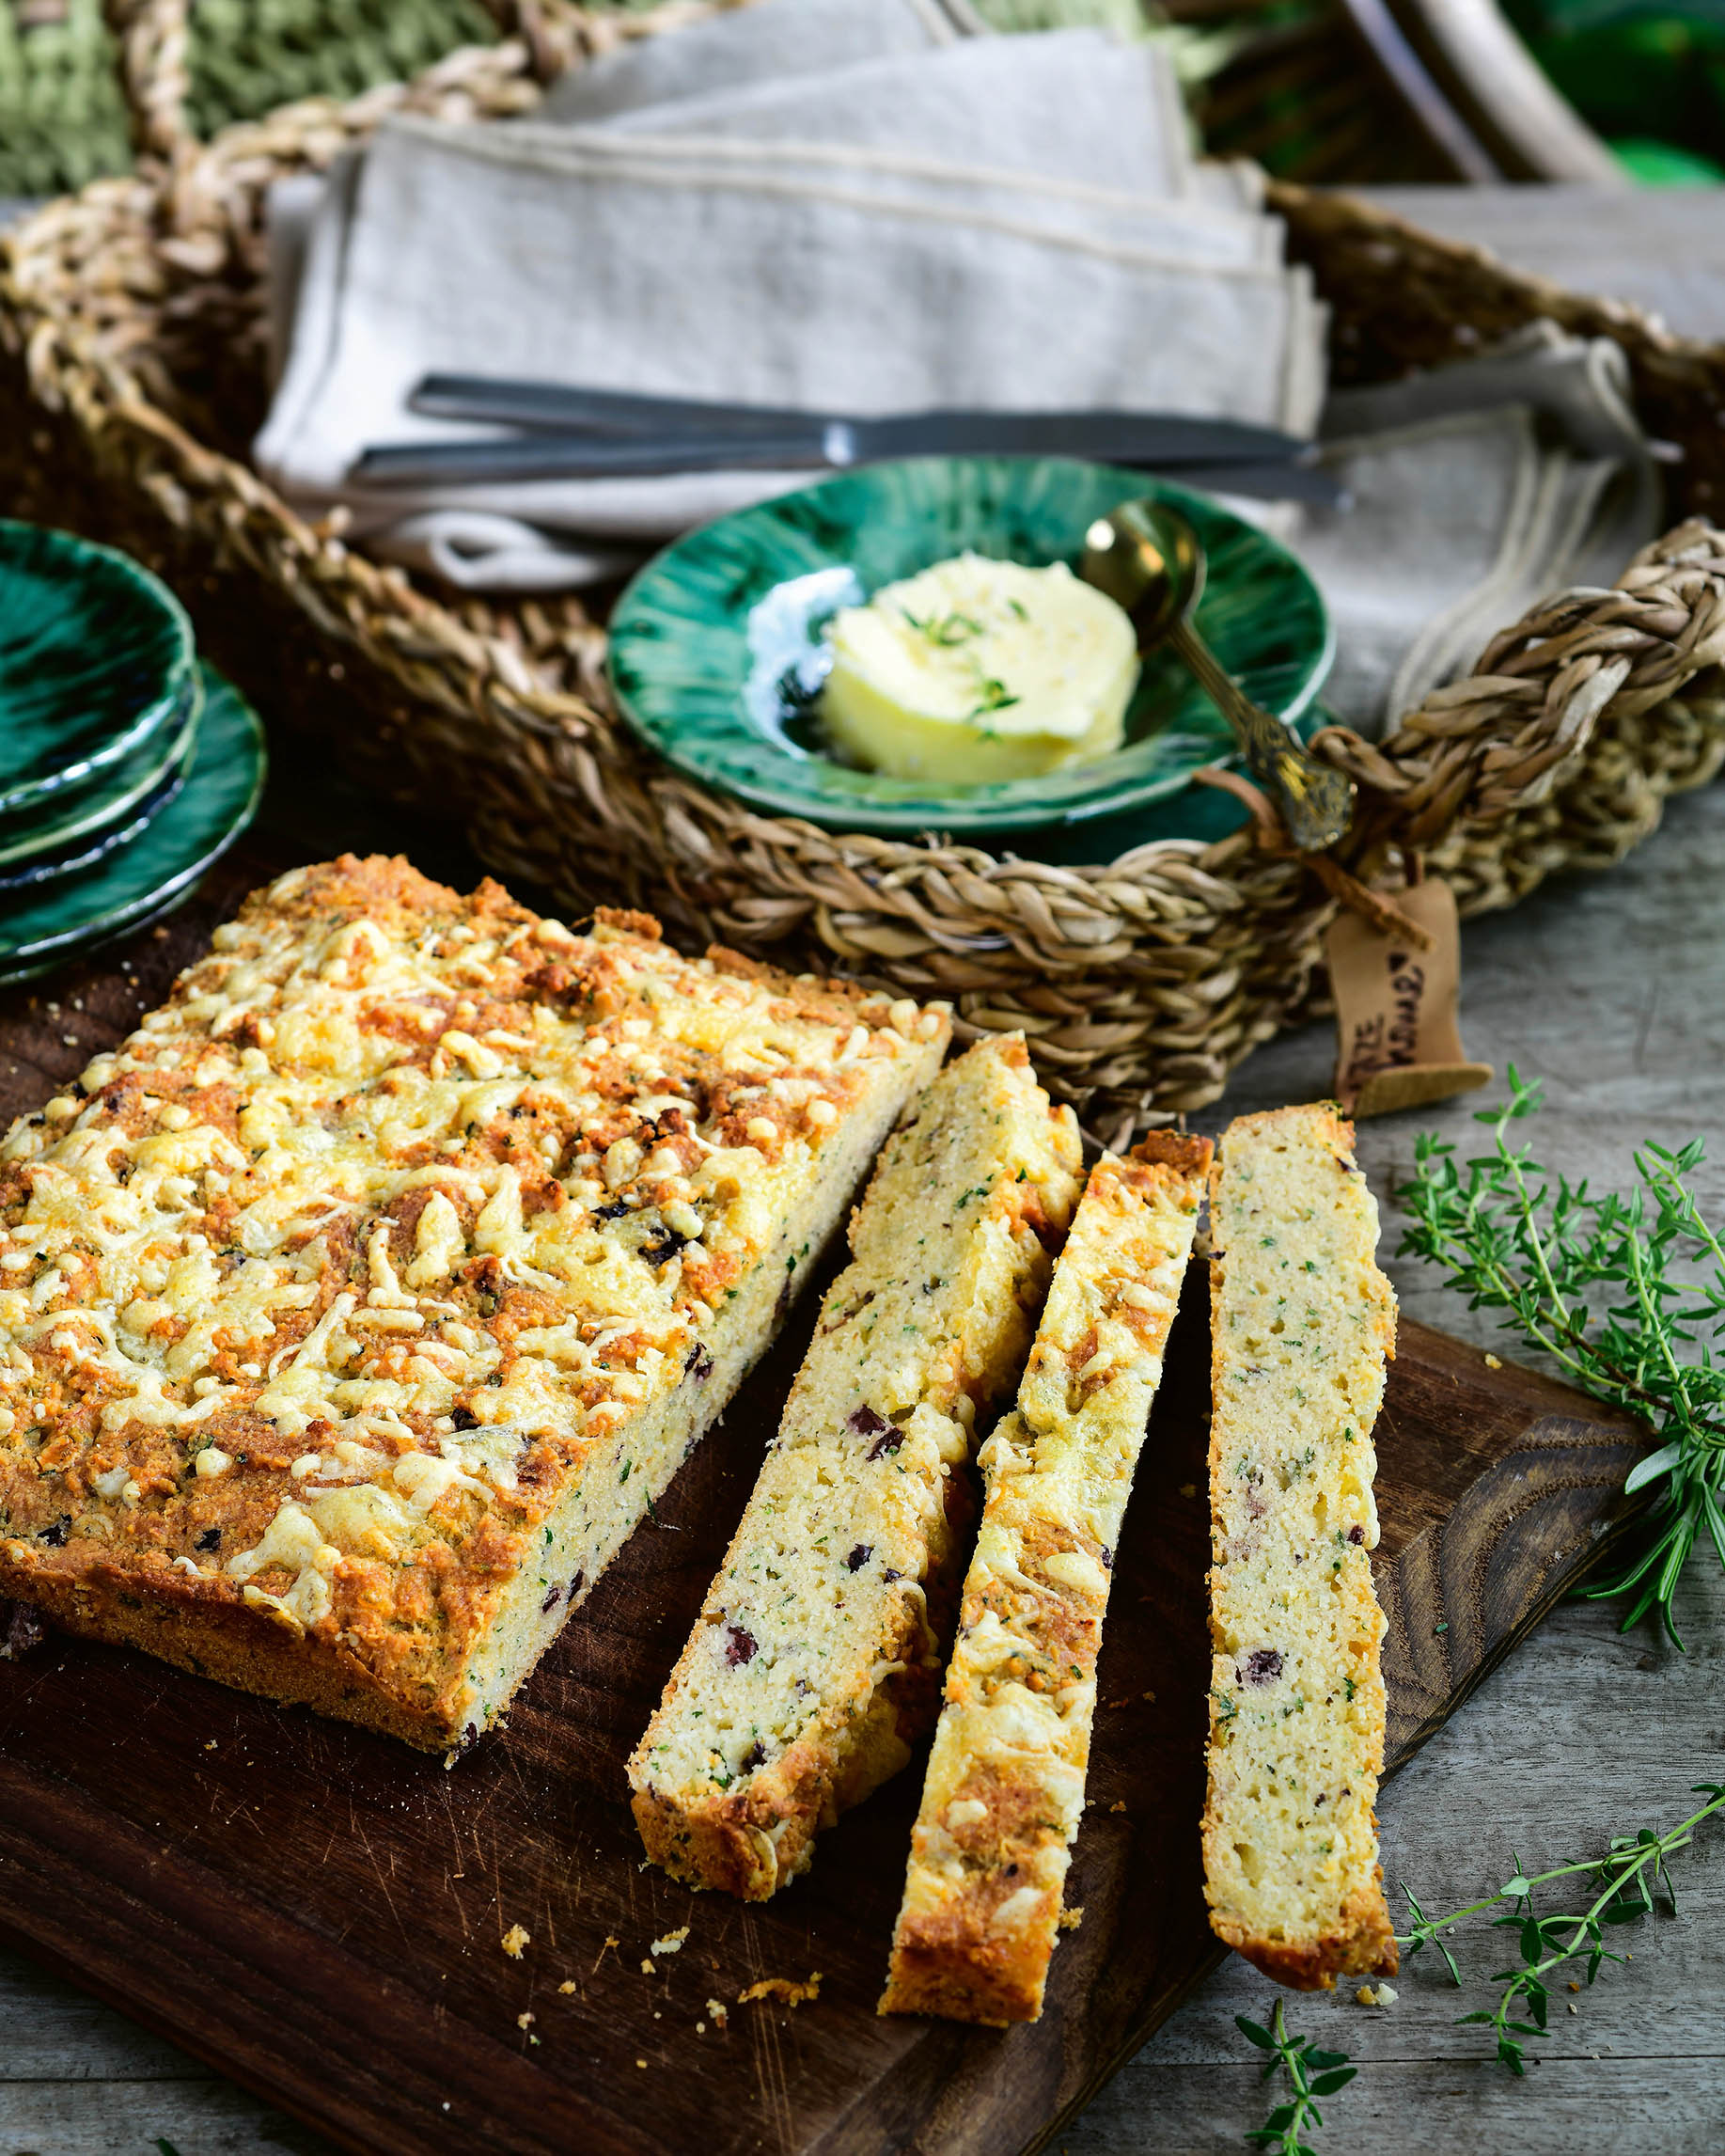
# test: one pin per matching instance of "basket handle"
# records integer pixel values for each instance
(558, 33)
(1488, 747)
(552, 31)
(154, 78)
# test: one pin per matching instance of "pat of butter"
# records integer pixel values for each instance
(980, 670)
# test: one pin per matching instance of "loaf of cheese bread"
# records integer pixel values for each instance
(355, 1308)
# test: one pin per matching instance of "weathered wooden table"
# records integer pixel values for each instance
(1612, 990)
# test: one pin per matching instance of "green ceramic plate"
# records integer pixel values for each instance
(95, 656)
(717, 651)
(31, 875)
(40, 928)
(72, 824)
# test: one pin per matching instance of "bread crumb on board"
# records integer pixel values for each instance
(720, 2012)
(1070, 1919)
(785, 1988)
(515, 1941)
(1379, 1995)
(671, 1942)
(566, 1986)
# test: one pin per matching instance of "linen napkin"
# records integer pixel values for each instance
(1477, 489)
(788, 242)
(772, 40)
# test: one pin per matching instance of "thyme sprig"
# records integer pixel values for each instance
(945, 629)
(1310, 2072)
(1629, 1879)
(1625, 1294)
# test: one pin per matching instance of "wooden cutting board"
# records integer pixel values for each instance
(319, 1913)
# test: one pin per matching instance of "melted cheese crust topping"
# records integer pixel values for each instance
(318, 1291)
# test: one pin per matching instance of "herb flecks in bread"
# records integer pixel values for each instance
(1005, 1787)
(1302, 1322)
(815, 1663)
(355, 1308)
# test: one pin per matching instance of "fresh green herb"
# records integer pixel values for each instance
(1015, 606)
(1599, 1283)
(994, 695)
(1310, 2072)
(945, 629)
(1627, 1879)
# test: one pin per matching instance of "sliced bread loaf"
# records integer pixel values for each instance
(1302, 1321)
(815, 1661)
(1005, 1787)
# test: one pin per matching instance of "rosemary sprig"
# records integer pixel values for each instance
(1310, 2072)
(1608, 1287)
(1627, 1879)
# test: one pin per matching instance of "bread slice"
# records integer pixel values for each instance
(354, 1308)
(815, 1663)
(1005, 1787)
(1301, 1322)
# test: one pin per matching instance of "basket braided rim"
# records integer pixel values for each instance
(1141, 983)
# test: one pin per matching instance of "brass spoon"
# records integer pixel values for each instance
(1148, 560)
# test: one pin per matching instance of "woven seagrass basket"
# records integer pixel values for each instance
(131, 378)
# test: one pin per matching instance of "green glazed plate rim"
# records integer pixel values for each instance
(87, 814)
(688, 633)
(157, 710)
(229, 758)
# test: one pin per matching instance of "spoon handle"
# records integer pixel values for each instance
(1315, 801)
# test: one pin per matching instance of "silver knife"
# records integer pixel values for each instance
(1177, 447)
(558, 408)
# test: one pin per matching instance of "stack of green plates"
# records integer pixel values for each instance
(126, 764)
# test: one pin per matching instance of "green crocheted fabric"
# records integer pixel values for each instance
(62, 120)
(250, 56)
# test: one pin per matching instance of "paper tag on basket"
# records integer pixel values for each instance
(1399, 1044)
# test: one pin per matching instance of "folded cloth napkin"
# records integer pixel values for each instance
(1477, 489)
(1071, 110)
(896, 233)
(773, 40)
